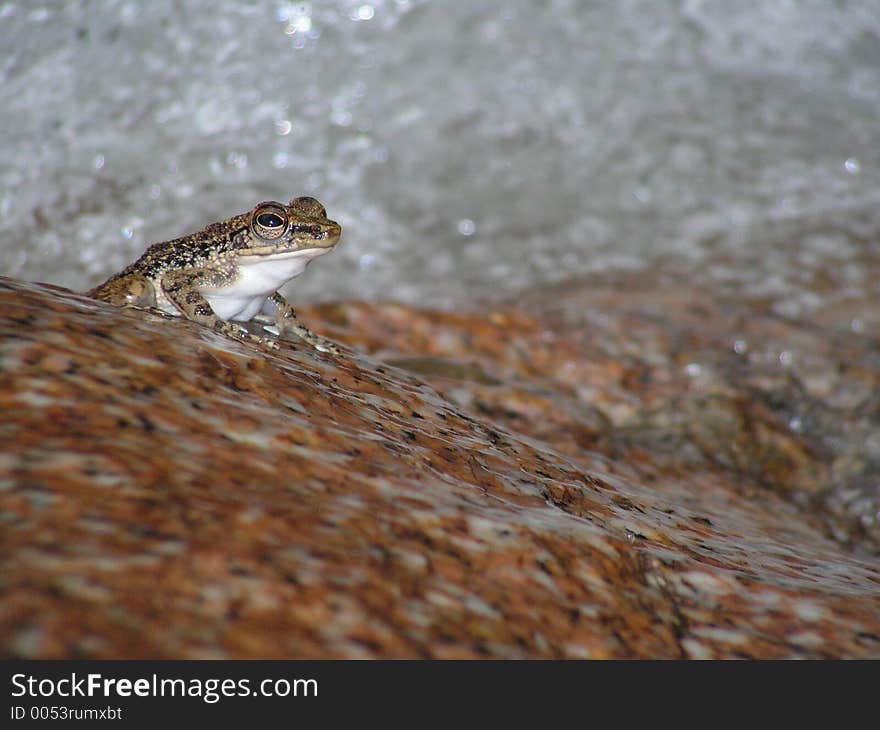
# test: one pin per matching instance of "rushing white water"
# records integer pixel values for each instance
(467, 148)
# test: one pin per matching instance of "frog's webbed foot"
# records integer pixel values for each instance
(286, 321)
(321, 344)
(242, 334)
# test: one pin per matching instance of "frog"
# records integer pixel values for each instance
(230, 271)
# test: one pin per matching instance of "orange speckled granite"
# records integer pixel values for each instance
(528, 486)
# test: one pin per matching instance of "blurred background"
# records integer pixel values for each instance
(468, 149)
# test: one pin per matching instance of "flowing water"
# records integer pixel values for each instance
(468, 149)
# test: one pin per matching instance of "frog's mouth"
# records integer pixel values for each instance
(257, 255)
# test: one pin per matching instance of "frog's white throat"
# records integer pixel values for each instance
(258, 277)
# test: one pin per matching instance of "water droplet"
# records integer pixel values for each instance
(293, 11)
(852, 166)
(785, 358)
(98, 162)
(788, 204)
(693, 369)
(131, 226)
(796, 424)
(643, 194)
(466, 227)
(367, 261)
(363, 12)
(283, 127)
(340, 118)
(740, 347)
(237, 159)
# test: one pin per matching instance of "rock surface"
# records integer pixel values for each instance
(615, 472)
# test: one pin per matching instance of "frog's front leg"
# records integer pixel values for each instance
(182, 288)
(285, 320)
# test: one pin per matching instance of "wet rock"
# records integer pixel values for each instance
(518, 482)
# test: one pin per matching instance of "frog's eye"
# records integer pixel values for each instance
(269, 222)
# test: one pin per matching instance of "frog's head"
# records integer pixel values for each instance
(278, 229)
